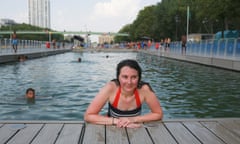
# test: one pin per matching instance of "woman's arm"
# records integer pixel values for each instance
(153, 103)
(92, 113)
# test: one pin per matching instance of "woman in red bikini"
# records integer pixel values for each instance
(125, 96)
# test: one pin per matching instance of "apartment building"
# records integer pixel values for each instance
(39, 13)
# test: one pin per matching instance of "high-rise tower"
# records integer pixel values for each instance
(39, 13)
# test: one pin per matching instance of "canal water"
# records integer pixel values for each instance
(65, 87)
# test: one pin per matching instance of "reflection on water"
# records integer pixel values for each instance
(192, 91)
(64, 87)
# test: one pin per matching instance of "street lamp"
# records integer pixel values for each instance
(177, 21)
(9, 24)
(204, 22)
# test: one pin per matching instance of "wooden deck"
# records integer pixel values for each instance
(185, 131)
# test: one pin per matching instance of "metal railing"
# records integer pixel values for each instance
(29, 46)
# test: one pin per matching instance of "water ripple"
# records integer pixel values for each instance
(65, 87)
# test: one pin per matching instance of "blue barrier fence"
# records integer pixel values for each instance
(222, 48)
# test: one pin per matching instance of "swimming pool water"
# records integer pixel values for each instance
(65, 87)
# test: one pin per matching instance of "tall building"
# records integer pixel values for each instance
(39, 13)
(7, 22)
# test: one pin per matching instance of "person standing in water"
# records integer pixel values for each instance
(125, 96)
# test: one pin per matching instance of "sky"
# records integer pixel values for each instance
(81, 15)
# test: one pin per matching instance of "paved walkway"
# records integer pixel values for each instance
(8, 55)
(229, 64)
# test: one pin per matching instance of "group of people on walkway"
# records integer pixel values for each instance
(147, 44)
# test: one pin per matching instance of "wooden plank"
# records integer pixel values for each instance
(180, 133)
(70, 134)
(39, 121)
(202, 133)
(160, 134)
(231, 125)
(225, 130)
(26, 135)
(138, 136)
(226, 135)
(237, 122)
(116, 135)
(6, 131)
(48, 134)
(94, 134)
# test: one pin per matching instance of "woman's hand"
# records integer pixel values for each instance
(126, 122)
(123, 122)
(134, 125)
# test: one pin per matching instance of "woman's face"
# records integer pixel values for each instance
(128, 78)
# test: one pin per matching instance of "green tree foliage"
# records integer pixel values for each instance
(143, 25)
(27, 27)
(125, 29)
(169, 18)
(223, 12)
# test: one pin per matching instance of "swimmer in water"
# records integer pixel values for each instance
(30, 93)
(79, 59)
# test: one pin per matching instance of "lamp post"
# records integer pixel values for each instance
(10, 28)
(205, 22)
(177, 21)
(86, 37)
(49, 37)
(188, 15)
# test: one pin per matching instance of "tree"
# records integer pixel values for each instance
(125, 29)
(27, 27)
(144, 24)
(224, 12)
(168, 18)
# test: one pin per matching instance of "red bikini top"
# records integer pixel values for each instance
(115, 103)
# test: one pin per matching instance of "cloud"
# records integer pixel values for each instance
(115, 8)
(22, 17)
(114, 14)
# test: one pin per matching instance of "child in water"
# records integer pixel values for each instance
(30, 93)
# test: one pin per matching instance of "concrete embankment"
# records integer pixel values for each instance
(228, 64)
(223, 63)
(29, 55)
(104, 50)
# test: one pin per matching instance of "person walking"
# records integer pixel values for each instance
(14, 41)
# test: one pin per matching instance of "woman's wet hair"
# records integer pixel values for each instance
(132, 64)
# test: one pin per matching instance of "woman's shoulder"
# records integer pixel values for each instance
(111, 85)
(108, 90)
(145, 86)
(146, 91)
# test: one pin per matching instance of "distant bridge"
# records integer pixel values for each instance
(65, 32)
